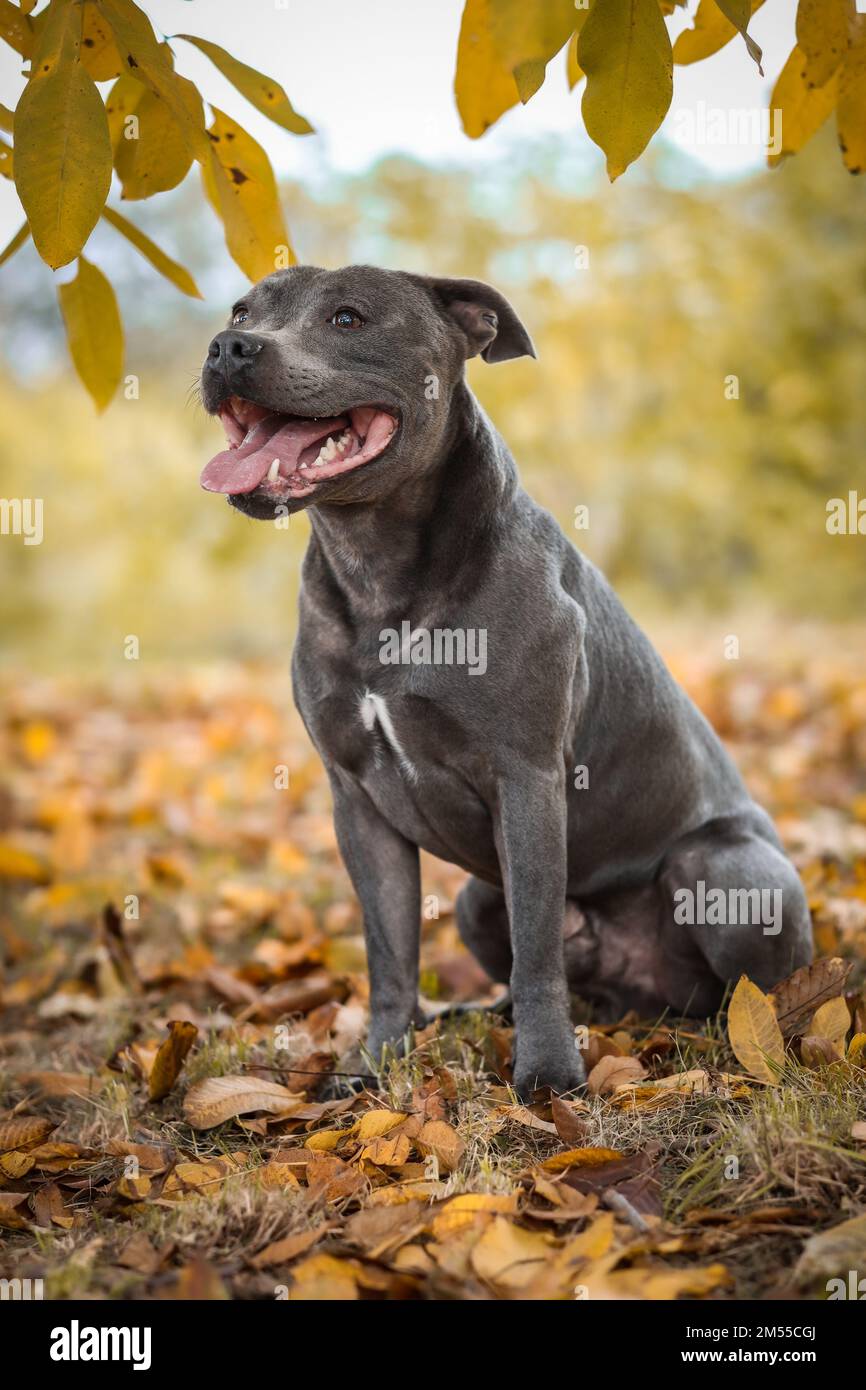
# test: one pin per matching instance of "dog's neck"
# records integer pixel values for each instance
(432, 536)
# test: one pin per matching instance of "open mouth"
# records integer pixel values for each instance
(283, 456)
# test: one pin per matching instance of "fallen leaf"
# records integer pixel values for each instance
(611, 1071)
(437, 1137)
(832, 1021)
(753, 1032)
(218, 1098)
(169, 1060)
(796, 999)
(507, 1256)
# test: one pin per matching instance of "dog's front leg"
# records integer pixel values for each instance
(532, 851)
(385, 871)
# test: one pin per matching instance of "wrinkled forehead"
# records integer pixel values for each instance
(306, 293)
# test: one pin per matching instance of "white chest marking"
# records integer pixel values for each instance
(373, 711)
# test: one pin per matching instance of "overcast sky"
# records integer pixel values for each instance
(375, 76)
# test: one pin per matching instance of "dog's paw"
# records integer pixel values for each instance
(562, 1072)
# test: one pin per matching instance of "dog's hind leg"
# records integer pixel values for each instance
(732, 904)
(482, 920)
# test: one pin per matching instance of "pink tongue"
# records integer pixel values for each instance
(244, 468)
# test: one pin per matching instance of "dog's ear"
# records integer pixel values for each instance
(484, 316)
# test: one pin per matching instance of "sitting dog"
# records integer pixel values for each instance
(472, 683)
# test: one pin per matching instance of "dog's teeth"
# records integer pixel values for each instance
(274, 471)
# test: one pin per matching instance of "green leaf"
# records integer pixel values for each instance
(151, 252)
(20, 237)
(240, 184)
(265, 95)
(94, 331)
(62, 145)
(625, 51)
(150, 62)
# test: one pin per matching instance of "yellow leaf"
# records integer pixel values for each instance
(832, 1022)
(573, 70)
(169, 1060)
(324, 1277)
(94, 331)
(99, 52)
(62, 145)
(822, 35)
(377, 1122)
(507, 1256)
(803, 108)
(851, 111)
(16, 29)
(387, 1153)
(240, 184)
(711, 32)
(219, 1098)
(857, 1050)
(484, 87)
(753, 1032)
(151, 252)
(625, 51)
(7, 161)
(7, 119)
(151, 154)
(265, 95)
(579, 1158)
(19, 863)
(151, 62)
(524, 33)
(739, 12)
(470, 1209)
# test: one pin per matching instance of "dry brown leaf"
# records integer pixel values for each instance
(440, 1139)
(817, 1052)
(568, 1123)
(24, 1130)
(612, 1071)
(169, 1060)
(797, 998)
(280, 1252)
(834, 1252)
(754, 1034)
(219, 1098)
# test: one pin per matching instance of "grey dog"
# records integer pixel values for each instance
(612, 847)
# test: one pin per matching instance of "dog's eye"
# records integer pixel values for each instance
(239, 316)
(347, 318)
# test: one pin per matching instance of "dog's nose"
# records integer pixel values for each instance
(232, 348)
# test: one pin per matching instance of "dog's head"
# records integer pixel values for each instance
(334, 385)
